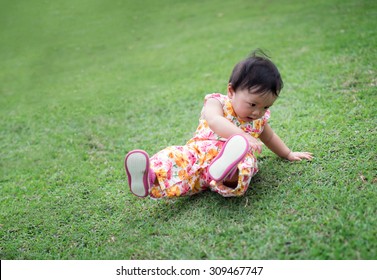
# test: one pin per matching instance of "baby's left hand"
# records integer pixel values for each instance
(298, 156)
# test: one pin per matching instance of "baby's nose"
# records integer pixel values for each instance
(256, 113)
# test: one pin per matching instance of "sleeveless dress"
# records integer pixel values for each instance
(182, 170)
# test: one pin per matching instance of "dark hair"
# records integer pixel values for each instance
(257, 72)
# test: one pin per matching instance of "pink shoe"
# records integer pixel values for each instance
(136, 164)
(226, 161)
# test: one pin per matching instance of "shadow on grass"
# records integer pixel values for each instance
(262, 188)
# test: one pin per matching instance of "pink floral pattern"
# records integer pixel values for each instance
(182, 170)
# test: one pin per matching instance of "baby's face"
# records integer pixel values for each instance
(250, 106)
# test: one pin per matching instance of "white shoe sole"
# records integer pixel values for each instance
(137, 167)
(232, 153)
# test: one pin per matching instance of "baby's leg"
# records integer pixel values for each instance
(179, 171)
(236, 181)
(238, 184)
(232, 181)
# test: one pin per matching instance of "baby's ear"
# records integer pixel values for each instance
(231, 91)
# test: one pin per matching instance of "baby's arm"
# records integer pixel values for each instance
(214, 115)
(276, 145)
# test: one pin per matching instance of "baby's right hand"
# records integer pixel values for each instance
(255, 144)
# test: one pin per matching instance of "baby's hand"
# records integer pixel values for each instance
(255, 144)
(298, 156)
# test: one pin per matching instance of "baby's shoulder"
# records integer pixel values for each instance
(220, 97)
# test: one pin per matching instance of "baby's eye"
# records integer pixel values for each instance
(252, 105)
(267, 107)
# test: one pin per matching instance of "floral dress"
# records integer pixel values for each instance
(182, 170)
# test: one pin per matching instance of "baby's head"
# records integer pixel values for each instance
(258, 74)
(254, 85)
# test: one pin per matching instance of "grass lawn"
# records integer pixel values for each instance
(84, 82)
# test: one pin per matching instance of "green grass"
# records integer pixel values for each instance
(84, 82)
